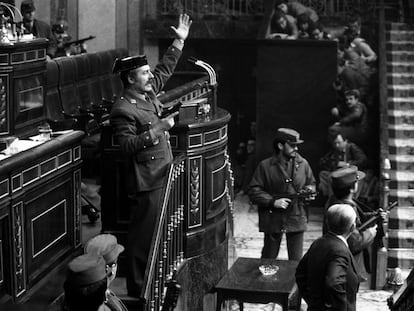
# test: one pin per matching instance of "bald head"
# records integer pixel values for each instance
(340, 218)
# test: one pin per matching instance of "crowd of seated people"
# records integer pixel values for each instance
(293, 20)
(354, 113)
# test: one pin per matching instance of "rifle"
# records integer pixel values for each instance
(305, 195)
(79, 41)
(376, 219)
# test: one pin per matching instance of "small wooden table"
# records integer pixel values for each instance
(245, 283)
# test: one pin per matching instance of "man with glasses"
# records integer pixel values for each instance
(106, 245)
(279, 187)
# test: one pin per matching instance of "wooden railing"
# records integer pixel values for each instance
(167, 250)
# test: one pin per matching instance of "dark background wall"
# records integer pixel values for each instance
(277, 83)
(235, 65)
(294, 89)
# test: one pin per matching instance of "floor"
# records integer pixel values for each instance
(248, 243)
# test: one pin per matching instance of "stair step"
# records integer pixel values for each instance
(401, 113)
(400, 56)
(400, 67)
(401, 117)
(401, 257)
(397, 142)
(401, 130)
(401, 158)
(404, 197)
(402, 185)
(400, 35)
(402, 175)
(401, 103)
(394, 77)
(401, 217)
(402, 162)
(398, 26)
(400, 46)
(401, 90)
(401, 127)
(399, 238)
(400, 149)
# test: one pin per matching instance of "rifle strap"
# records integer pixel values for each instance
(289, 179)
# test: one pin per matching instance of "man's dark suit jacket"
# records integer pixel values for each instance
(41, 29)
(327, 277)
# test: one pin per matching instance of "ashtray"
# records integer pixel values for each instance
(268, 269)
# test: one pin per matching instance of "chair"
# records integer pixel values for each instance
(69, 96)
(87, 104)
(53, 105)
(105, 75)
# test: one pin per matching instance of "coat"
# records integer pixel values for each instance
(268, 181)
(327, 277)
(148, 153)
(359, 241)
(352, 155)
(41, 29)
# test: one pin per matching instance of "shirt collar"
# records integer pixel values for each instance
(342, 239)
(134, 94)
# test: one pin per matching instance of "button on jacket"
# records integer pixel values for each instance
(149, 152)
(268, 180)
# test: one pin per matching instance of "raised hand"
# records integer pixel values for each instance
(183, 28)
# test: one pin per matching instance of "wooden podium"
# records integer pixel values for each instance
(206, 209)
(40, 218)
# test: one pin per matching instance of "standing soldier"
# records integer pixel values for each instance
(278, 186)
(143, 137)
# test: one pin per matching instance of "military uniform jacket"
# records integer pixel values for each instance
(327, 277)
(270, 180)
(42, 30)
(113, 302)
(352, 155)
(148, 152)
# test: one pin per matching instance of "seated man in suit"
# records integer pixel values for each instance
(343, 153)
(38, 28)
(327, 277)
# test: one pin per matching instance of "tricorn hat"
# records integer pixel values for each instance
(105, 245)
(288, 136)
(86, 269)
(27, 6)
(129, 63)
(346, 177)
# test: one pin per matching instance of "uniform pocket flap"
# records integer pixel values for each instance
(143, 157)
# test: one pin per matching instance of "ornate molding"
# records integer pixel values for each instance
(19, 251)
(195, 213)
(77, 206)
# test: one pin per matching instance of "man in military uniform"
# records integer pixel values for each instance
(344, 186)
(85, 284)
(143, 136)
(106, 245)
(274, 187)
